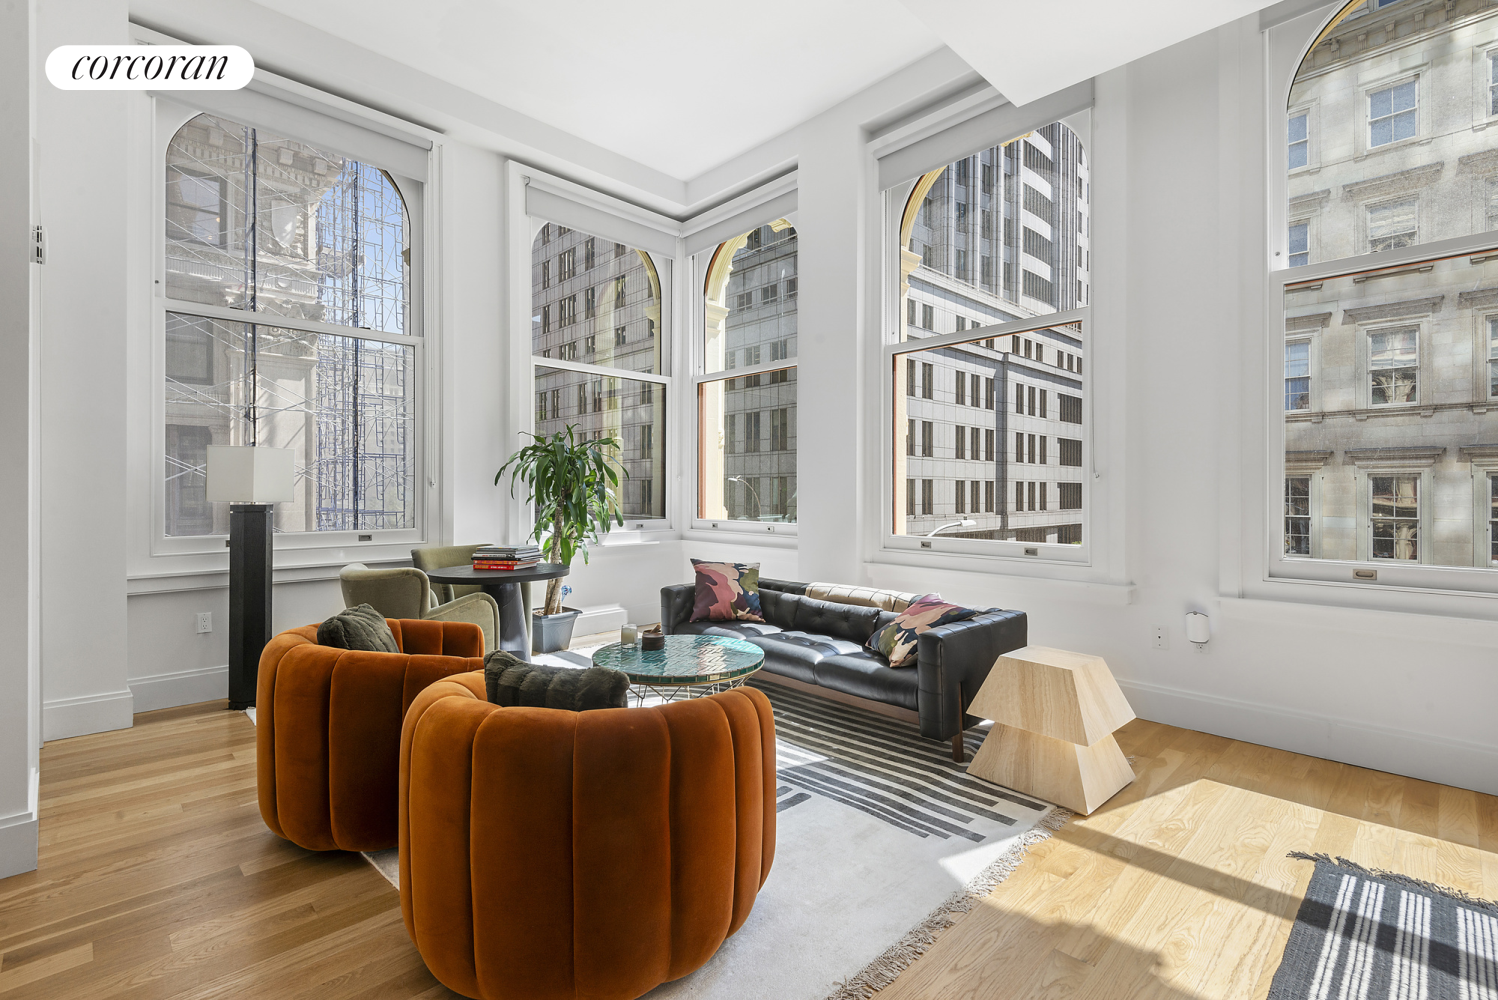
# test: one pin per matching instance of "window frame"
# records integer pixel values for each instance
(1092, 560)
(662, 265)
(1266, 572)
(766, 209)
(303, 547)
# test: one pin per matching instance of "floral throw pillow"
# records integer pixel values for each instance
(726, 592)
(897, 640)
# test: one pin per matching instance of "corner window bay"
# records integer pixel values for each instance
(1390, 422)
(990, 346)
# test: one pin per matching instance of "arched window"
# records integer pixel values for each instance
(596, 311)
(1390, 290)
(288, 323)
(988, 429)
(746, 393)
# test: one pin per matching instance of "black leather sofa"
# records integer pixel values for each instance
(822, 643)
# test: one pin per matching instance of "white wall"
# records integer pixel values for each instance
(19, 691)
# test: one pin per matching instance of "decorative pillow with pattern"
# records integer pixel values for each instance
(897, 640)
(726, 592)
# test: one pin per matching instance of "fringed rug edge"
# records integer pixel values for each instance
(1456, 895)
(899, 956)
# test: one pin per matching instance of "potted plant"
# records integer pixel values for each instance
(573, 488)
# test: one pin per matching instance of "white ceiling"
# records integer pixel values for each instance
(678, 85)
(1030, 48)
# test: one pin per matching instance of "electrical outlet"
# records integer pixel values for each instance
(205, 621)
(1160, 638)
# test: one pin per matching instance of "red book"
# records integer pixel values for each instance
(503, 565)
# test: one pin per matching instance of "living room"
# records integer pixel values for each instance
(1274, 524)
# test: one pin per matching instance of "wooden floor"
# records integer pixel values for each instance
(159, 880)
(1179, 887)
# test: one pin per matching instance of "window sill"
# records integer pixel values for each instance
(985, 574)
(209, 578)
(1381, 598)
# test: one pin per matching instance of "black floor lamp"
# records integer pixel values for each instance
(252, 480)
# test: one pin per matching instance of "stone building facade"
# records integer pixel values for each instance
(1391, 373)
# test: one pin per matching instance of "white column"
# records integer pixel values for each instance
(19, 684)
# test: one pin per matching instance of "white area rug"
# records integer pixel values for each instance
(882, 841)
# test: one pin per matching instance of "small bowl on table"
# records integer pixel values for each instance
(652, 640)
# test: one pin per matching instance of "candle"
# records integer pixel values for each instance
(629, 635)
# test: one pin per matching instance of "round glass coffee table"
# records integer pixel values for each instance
(690, 666)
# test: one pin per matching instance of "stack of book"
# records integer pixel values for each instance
(506, 557)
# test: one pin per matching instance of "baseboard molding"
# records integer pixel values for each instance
(183, 687)
(1398, 751)
(595, 620)
(18, 840)
(64, 718)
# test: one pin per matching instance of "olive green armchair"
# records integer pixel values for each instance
(430, 560)
(405, 592)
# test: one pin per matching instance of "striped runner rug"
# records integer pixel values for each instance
(1368, 934)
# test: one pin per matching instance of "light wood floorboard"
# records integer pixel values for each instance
(159, 881)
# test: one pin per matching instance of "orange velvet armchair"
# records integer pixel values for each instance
(328, 729)
(554, 854)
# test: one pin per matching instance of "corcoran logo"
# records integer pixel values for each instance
(149, 67)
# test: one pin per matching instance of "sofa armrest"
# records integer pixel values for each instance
(954, 660)
(676, 605)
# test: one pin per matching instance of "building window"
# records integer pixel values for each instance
(1394, 509)
(325, 247)
(1300, 244)
(961, 439)
(961, 394)
(1298, 515)
(928, 498)
(1298, 375)
(928, 317)
(1068, 496)
(960, 497)
(928, 381)
(1493, 519)
(988, 436)
(911, 496)
(750, 475)
(1299, 148)
(928, 438)
(910, 437)
(1394, 366)
(567, 264)
(1392, 225)
(1070, 407)
(1019, 446)
(1391, 114)
(1069, 452)
(619, 338)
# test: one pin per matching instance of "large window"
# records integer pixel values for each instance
(598, 366)
(1389, 369)
(979, 350)
(746, 393)
(288, 323)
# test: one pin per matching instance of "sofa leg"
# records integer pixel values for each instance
(959, 753)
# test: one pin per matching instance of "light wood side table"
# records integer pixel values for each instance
(1054, 714)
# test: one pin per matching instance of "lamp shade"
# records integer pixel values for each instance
(250, 475)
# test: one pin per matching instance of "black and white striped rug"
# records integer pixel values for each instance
(884, 769)
(1364, 934)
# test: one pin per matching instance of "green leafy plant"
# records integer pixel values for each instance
(573, 486)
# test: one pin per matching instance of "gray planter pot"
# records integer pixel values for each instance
(550, 633)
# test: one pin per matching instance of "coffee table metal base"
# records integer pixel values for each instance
(639, 691)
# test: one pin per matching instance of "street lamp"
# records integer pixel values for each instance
(966, 522)
(758, 507)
